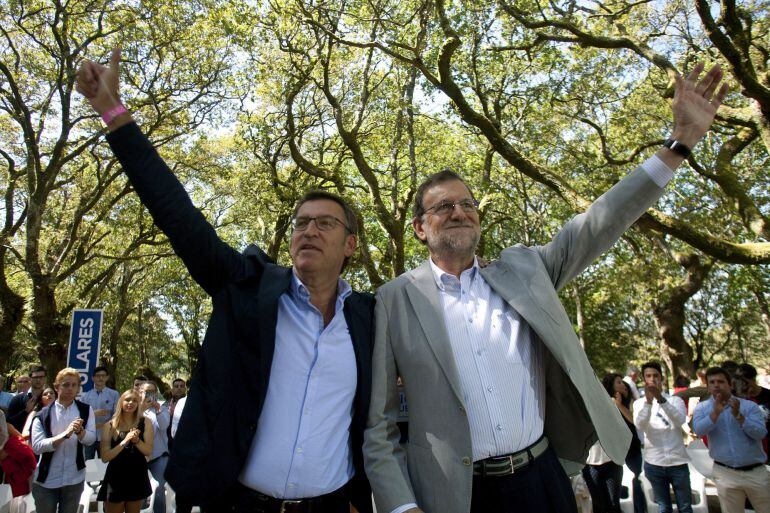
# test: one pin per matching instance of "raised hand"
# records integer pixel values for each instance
(695, 103)
(651, 392)
(100, 84)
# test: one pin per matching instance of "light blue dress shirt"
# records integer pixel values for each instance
(729, 442)
(302, 444)
(105, 399)
(160, 422)
(5, 400)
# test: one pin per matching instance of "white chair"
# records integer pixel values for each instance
(95, 470)
(23, 504)
(5, 498)
(170, 499)
(700, 458)
(582, 496)
(85, 500)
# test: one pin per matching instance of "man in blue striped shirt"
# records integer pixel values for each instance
(735, 429)
(103, 400)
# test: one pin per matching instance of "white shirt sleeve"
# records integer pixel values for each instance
(659, 172)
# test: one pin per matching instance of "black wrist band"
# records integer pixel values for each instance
(677, 147)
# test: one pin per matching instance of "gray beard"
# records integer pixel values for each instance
(446, 247)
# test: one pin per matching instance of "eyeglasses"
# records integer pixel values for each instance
(42, 376)
(446, 207)
(324, 223)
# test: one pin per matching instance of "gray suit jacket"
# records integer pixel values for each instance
(436, 468)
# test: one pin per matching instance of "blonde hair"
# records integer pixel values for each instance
(67, 371)
(120, 415)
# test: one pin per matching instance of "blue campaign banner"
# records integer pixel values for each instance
(85, 340)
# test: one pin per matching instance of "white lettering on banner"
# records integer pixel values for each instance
(85, 337)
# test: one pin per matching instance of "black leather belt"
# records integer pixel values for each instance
(510, 463)
(252, 500)
(743, 468)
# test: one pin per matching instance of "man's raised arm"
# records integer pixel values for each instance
(211, 262)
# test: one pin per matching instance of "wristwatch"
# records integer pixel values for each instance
(677, 147)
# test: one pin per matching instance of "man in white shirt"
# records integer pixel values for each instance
(103, 400)
(660, 417)
(60, 475)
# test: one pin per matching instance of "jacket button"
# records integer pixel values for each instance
(466, 461)
(462, 410)
(252, 427)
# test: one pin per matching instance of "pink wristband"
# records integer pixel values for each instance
(114, 112)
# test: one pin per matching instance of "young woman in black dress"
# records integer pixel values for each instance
(125, 447)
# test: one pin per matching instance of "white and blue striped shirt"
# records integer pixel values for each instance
(500, 364)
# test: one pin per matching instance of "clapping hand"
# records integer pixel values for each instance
(651, 392)
(76, 427)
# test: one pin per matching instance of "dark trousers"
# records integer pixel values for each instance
(678, 477)
(603, 482)
(183, 506)
(542, 487)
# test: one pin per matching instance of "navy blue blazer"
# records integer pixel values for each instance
(229, 385)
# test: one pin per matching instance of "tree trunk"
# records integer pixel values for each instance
(669, 313)
(51, 332)
(12, 306)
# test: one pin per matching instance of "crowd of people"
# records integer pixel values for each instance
(726, 407)
(295, 403)
(132, 432)
(47, 433)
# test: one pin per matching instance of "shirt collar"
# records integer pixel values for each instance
(299, 290)
(442, 277)
(60, 407)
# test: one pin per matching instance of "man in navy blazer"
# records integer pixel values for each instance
(276, 411)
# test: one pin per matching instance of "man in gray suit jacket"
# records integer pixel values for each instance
(497, 384)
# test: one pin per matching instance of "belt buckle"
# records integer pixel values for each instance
(510, 460)
(289, 502)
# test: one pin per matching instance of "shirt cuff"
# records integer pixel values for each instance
(405, 507)
(658, 172)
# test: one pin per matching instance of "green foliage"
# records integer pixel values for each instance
(542, 105)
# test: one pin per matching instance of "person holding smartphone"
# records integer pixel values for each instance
(160, 420)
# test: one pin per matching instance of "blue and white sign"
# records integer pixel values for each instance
(85, 340)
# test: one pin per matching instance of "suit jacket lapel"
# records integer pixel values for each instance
(509, 283)
(359, 321)
(423, 295)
